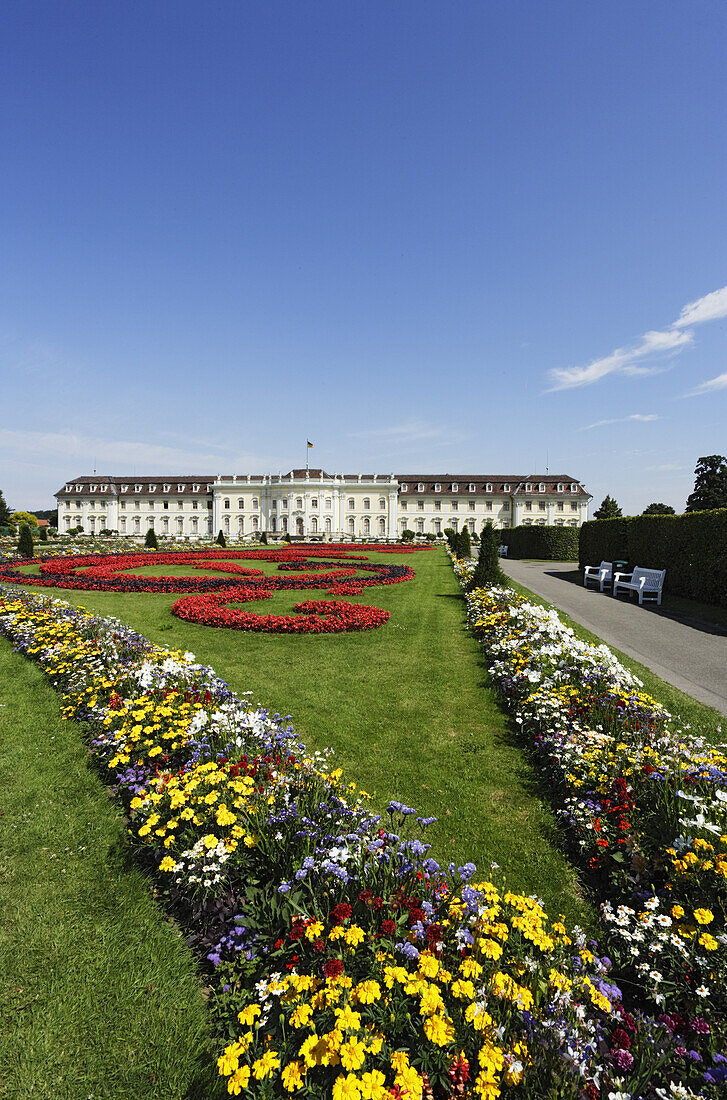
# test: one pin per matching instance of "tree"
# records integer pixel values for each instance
(17, 519)
(264, 539)
(658, 510)
(4, 512)
(464, 544)
(42, 534)
(25, 542)
(609, 509)
(151, 540)
(220, 540)
(407, 535)
(710, 484)
(487, 571)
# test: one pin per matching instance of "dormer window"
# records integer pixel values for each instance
(404, 488)
(437, 487)
(472, 488)
(573, 487)
(92, 488)
(195, 488)
(79, 488)
(180, 488)
(528, 487)
(541, 488)
(455, 487)
(506, 487)
(166, 488)
(561, 487)
(153, 488)
(488, 487)
(420, 487)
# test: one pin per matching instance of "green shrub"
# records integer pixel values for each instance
(220, 540)
(487, 570)
(264, 539)
(546, 543)
(25, 542)
(690, 547)
(42, 534)
(407, 535)
(151, 540)
(464, 544)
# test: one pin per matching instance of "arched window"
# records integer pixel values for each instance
(366, 527)
(273, 524)
(453, 524)
(254, 502)
(285, 524)
(226, 502)
(227, 524)
(328, 525)
(180, 525)
(299, 525)
(314, 525)
(420, 526)
(241, 524)
(194, 526)
(382, 526)
(254, 523)
(352, 527)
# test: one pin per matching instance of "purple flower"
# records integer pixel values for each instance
(623, 1059)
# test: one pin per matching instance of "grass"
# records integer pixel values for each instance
(99, 995)
(407, 709)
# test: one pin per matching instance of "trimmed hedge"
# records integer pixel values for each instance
(692, 548)
(546, 543)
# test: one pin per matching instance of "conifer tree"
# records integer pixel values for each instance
(710, 484)
(4, 512)
(609, 509)
(25, 542)
(487, 571)
(42, 534)
(464, 549)
(151, 540)
(220, 540)
(264, 539)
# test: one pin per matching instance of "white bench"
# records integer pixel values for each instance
(502, 551)
(599, 574)
(647, 583)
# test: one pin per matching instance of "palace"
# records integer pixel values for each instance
(314, 504)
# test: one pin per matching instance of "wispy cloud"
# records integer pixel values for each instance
(642, 417)
(718, 383)
(667, 466)
(413, 432)
(64, 449)
(659, 342)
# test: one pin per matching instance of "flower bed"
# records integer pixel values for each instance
(345, 961)
(314, 616)
(645, 802)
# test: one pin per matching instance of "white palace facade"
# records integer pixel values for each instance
(309, 503)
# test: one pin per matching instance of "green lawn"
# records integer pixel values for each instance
(100, 997)
(407, 710)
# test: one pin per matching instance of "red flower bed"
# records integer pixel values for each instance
(311, 617)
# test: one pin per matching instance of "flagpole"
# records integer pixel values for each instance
(307, 448)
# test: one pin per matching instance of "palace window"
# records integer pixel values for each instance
(241, 524)
(528, 487)
(254, 523)
(559, 506)
(226, 502)
(382, 504)
(573, 487)
(180, 488)
(402, 505)
(420, 505)
(122, 504)
(79, 504)
(561, 487)
(574, 506)
(454, 505)
(420, 526)
(404, 488)
(314, 525)
(166, 504)
(122, 525)
(299, 502)
(255, 502)
(528, 506)
(150, 504)
(240, 503)
(506, 487)
(195, 504)
(328, 525)
(454, 524)
(471, 505)
(367, 527)
(541, 487)
(437, 487)
(329, 504)
(351, 504)
(166, 488)
(420, 487)
(285, 502)
(351, 527)
(488, 506)
(180, 504)
(314, 502)
(195, 523)
(437, 506)
(382, 526)
(455, 487)
(180, 524)
(541, 505)
(137, 504)
(367, 504)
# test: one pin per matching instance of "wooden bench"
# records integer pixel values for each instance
(599, 574)
(647, 583)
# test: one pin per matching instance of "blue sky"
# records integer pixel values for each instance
(436, 237)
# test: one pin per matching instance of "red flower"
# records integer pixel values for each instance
(333, 968)
(341, 912)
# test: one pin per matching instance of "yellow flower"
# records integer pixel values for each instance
(372, 1086)
(348, 1019)
(292, 1077)
(346, 1088)
(264, 1066)
(302, 1016)
(677, 912)
(703, 916)
(352, 1054)
(366, 993)
(428, 965)
(354, 935)
(708, 942)
(167, 864)
(239, 1081)
(439, 1030)
(247, 1016)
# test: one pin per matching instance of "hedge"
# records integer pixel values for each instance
(692, 548)
(546, 543)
